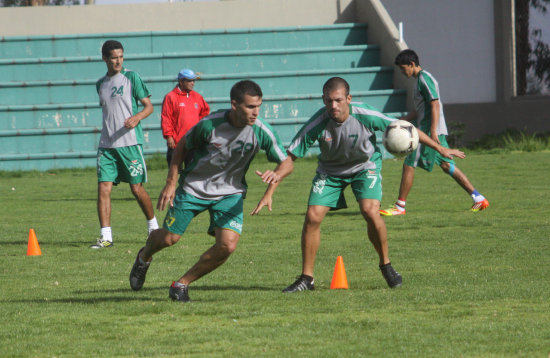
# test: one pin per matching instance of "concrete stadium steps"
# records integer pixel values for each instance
(177, 41)
(164, 64)
(210, 85)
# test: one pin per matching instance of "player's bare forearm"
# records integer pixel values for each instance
(435, 107)
(273, 178)
(141, 115)
(446, 152)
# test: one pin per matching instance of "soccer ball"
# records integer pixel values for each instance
(400, 138)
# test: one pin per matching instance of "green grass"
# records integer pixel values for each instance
(475, 284)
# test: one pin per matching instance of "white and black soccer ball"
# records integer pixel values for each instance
(400, 138)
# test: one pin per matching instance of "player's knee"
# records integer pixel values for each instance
(312, 219)
(137, 189)
(165, 237)
(448, 168)
(370, 212)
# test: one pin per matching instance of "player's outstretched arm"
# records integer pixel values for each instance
(446, 152)
(273, 178)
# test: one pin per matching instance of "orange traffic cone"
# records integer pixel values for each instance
(339, 279)
(33, 249)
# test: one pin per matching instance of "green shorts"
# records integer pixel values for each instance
(226, 213)
(125, 164)
(328, 190)
(425, 157)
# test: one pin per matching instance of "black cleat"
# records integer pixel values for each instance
(303, 283)
(137, 275)
(393, 278)
(179, 293)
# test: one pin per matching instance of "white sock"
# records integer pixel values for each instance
(477, 197)
(152, 224)
(400, 204)
(106, 233)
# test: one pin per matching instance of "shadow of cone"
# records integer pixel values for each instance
(33, 249)
(339, 279)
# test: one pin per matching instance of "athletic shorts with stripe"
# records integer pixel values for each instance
(122, 164)
(225, 213)
(328, 190)
(425, 157)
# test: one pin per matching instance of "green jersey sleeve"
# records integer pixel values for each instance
(308, 134)
(427, 88)
(269, 141)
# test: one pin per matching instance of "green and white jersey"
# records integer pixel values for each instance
(427, 90)
(119, 96)
(222, 154)
(346, 148)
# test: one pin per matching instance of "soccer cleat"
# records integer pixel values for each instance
(393, 211)
(101, 244)
(179, 293)
(137, 275)
(303, 283)
(392, 277)
(480, 205)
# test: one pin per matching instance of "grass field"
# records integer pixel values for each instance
(475, 284)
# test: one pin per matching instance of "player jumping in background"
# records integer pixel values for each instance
(429, 114)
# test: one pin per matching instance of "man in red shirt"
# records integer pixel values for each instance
(182, 108)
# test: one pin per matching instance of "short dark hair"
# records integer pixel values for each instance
(334, 83)
(405, 57)
(243, 87)
(110, 45)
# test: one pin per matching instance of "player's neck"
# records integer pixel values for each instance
(417, 71)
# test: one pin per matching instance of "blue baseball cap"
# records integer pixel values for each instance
(187, 74)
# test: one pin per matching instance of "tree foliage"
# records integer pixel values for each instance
(531, 52)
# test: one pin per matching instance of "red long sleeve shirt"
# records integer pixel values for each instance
(181, 111)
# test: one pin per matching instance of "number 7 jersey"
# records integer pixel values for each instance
(346, 148)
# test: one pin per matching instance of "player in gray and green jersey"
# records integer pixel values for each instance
(429, 114)
(118, 96)
(349, 157)
(223, 145)
(120, 154)
(222, 155)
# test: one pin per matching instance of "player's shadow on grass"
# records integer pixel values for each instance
(194, 288)
(88, 199)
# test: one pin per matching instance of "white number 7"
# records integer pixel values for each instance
(374, 178)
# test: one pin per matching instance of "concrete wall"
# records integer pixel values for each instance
(57, 20)
(455, 42)
(468, 46)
